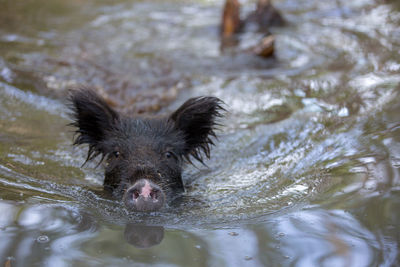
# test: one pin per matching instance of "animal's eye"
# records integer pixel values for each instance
(169, 155)
(116, 154)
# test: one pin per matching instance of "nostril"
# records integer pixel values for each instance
(154, 194)
(135, 194)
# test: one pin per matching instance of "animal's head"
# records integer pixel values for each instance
(144, 156)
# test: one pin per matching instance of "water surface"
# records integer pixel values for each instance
(306, 167)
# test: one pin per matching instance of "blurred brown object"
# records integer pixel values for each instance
(231, 22)
(263, 17)
(265, 48)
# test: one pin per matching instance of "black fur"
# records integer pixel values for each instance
(144, 148)
(95, 121)
(196, 118)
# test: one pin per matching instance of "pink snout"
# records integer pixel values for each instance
(144, 195)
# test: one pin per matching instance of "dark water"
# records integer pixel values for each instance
(307, 167)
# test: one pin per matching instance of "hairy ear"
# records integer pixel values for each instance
(94, 119)
(196, 118)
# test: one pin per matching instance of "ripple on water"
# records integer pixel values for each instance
(309, 149)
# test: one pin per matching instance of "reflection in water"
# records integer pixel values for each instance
(143, 236)
(346, 242)
(311, 237)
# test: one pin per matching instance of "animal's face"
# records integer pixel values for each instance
(144, 156)
(146, 159)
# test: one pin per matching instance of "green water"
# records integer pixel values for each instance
(306, 171)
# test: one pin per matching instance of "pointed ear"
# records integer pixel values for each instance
(196, 118)
(94, 119)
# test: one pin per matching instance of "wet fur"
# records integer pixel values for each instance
(136, 147)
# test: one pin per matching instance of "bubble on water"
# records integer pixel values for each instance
(43, 239)
(395, 162)
(343, 112)
(7, 74)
